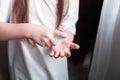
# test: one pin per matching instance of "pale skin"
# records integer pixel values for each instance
(40, 35)
(64, 46)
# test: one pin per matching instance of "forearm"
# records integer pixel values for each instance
(10, 31)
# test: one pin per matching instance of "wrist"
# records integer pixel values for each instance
(25, 30)
(70, 36)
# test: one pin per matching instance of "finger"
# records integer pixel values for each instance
(68, 54)
(74, 46)
(62, 54)
(60, 33)
(53, 41)
(42, 43)
(52, 53)
(30, 42)
(47, 43)
(56, 54)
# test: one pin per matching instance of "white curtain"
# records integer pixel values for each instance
(106, 57)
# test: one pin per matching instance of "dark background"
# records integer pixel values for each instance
(79, 63)
(89, 14)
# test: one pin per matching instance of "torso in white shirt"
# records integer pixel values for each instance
(27, 63)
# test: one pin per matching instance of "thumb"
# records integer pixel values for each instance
(74, 46)
(60, 33)
(53, 41)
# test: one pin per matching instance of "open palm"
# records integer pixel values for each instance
(63, 48)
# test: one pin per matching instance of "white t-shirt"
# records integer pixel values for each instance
(28, 63)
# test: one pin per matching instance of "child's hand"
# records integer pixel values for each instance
(63, 48)
(41, 35)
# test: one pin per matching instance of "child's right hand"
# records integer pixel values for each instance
(42, 35)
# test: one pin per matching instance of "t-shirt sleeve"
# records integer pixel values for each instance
(69, 21)
(1, 12)
(4, 9)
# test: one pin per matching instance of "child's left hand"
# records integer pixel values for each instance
(63, 48)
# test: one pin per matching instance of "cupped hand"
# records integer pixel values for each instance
(63, 48)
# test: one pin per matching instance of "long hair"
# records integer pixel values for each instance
(61, 11)
(20, 14)
(20, 11)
